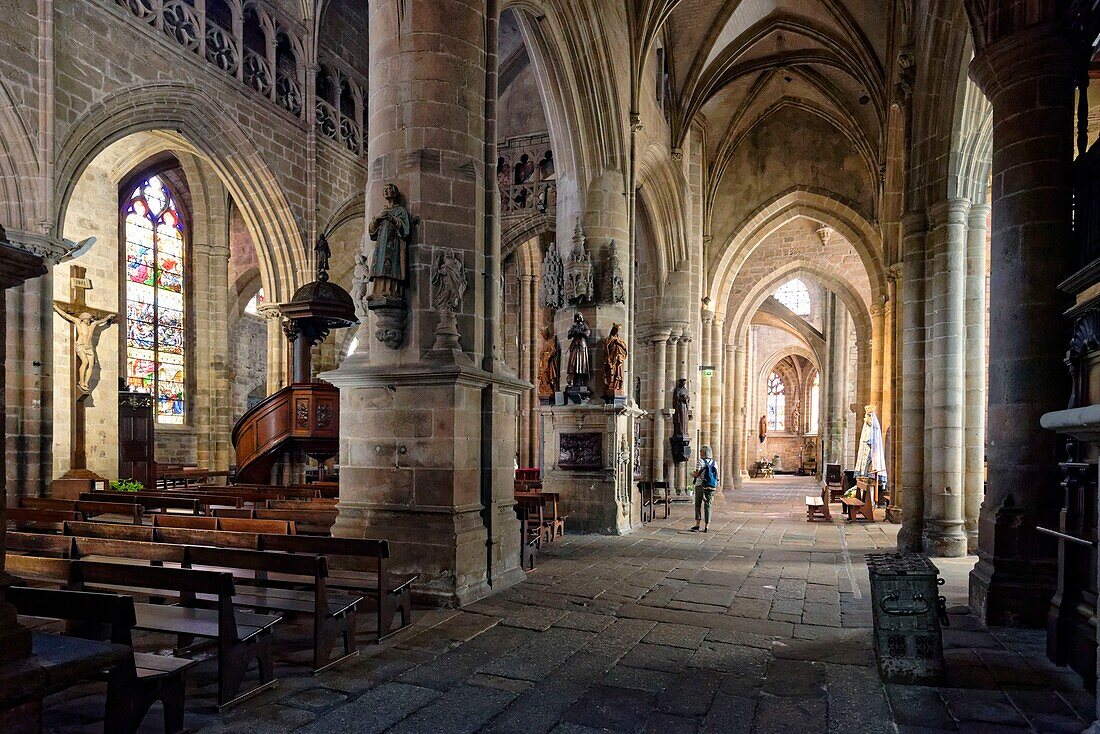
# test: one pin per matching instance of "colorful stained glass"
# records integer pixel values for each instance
(155, 288)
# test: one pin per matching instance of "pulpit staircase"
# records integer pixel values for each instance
(300, 418)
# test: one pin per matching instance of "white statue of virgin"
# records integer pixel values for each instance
(871, 458)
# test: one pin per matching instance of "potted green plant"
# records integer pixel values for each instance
(127, 485)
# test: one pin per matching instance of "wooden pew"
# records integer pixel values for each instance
(358, 565)
(305, 519)
(355, 564)
(86, 509)
(134, 685)
(44, 520)
(333, 612)
(149, 502)
(231, 524)
(240, 638)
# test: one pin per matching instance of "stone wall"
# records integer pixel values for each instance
(247, 360)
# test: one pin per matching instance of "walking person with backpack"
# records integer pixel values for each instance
(706, 482)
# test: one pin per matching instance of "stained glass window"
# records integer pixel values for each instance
(156, 353)
(794, 295)
(777, 403)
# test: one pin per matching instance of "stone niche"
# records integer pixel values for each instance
(588, 458)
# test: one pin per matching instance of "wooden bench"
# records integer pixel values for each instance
(314, 521)
(817, 507)
(857, 507)
(542, 509)
(333, 612)
(138, 681)
(188, 505)
(231, 524)
(240, 638)
(45, 520)
(357, 565)
(107, 511)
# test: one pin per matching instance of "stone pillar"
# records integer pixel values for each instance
(277, 377)
(717, 360)
(428, 436)
(945, 396)
(836, 413)
(707, 357)
(532, 377)
(1029, 77)
(878, 345)
(910, 420)
(735, 354)
(526, 359)
(974, 420)
(212, 420)
(890, 425)
(660, 435)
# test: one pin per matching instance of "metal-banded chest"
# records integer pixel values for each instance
(906, 611)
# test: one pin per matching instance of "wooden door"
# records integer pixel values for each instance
(135, 437)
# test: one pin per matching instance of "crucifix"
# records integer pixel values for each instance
(84, 323)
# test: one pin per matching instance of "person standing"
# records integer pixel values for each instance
(706, 482)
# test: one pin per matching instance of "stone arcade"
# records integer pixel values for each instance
(584, 240)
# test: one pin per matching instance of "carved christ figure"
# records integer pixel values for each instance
(615, 354)
(389, 230)
(578, 352)
(549, 363)
(84, 344)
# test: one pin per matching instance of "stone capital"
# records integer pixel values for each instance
(1038, 52)
(949, 211)
(979, 216)
(270, 311)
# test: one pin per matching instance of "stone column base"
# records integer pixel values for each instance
(588, 457)
(1011, 596)
(426, 454)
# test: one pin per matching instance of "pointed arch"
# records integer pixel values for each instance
(197, 123)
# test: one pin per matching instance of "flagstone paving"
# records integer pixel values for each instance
(761, 625)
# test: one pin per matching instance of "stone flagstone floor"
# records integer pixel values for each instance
(761, 625)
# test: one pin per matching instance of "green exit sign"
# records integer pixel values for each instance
(707, 370)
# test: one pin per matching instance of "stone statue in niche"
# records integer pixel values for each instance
(448, 279)
(615, 353)
(85, 327)
(680, 442)
(616, 282)
(578, 271)
(549, 366)
(360, 280)
(390, 230)
(578, 365)
(552, 279)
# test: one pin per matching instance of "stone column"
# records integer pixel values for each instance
(1029, 76)
(910, 420)
(735, 355)
(660, 435)
(427, 430)
(890, 425)
(974, 421)
(707, 357)
(277, 353)
(878, 346)
(945, 397)
(526, 358)
(717, 359)
(836, 338)
(532, 376)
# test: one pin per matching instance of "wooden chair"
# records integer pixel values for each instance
(645, 493)
(862, 505)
